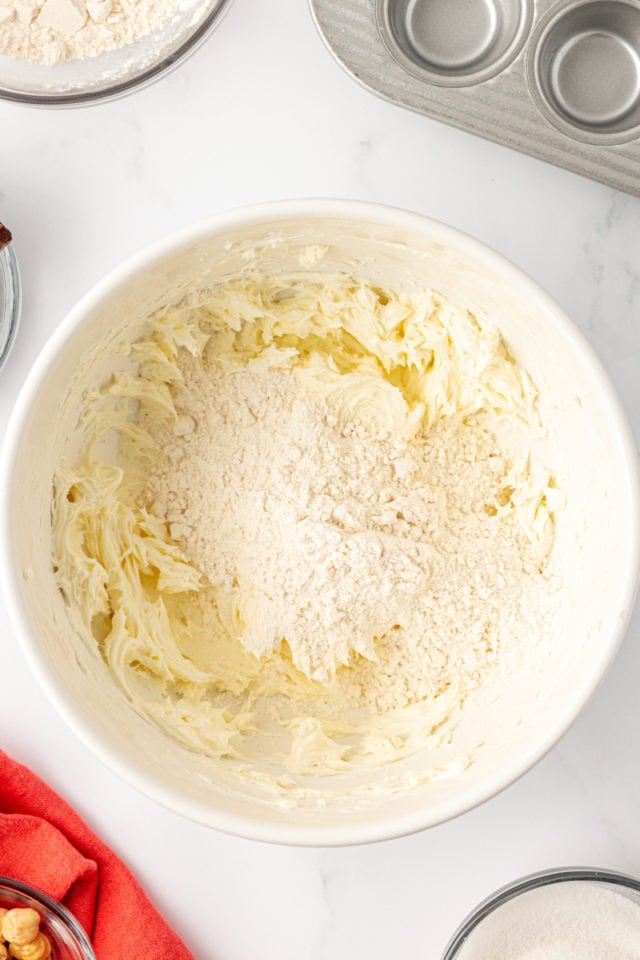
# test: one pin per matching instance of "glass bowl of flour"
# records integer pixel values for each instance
(71, 52)
(572, 914)
(333, 528)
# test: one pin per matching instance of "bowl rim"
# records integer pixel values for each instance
(397, 824)
(11, 310)
(533, 881)
(123, 88)
(52, 906)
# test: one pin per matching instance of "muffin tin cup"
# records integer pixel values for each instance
(451, 42)
(584, 70)
(558, 79)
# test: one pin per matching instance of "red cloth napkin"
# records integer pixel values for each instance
(43, 842)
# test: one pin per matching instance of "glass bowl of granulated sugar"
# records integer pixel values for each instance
(570, 914)
(70, 52)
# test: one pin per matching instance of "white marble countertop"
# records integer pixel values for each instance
(263, 112)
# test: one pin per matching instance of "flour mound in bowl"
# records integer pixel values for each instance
(294, 529)
(55, 31)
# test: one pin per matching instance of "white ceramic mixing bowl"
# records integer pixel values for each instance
(588, 446)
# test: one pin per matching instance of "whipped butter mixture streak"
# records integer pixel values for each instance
(292, 530)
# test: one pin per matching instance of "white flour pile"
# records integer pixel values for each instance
(52, 31)
(292, 529)
(564, 921)
(342, 538)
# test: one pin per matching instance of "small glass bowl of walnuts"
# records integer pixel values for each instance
(34, 927)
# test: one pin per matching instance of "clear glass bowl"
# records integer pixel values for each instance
(114, 73)
(68, 939)
(10, 300)
(618, 882)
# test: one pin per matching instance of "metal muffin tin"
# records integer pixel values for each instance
(557, 80)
